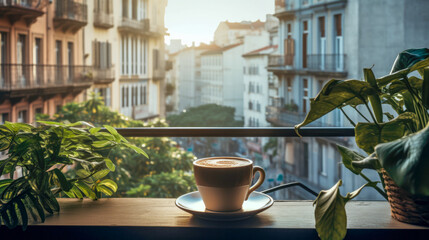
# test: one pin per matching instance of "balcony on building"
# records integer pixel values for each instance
(134, 26)
(284, 8)
(70, 15)
(284, 115)
(28, 10)
(103, 75)
(103, 15)
(330, 65)
(144, 27)
(29, 80)
(158, 74)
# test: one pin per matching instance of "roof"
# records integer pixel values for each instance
(245, 25)
(220, 50)
(261, 51)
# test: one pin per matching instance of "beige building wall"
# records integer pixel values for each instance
(143, 21)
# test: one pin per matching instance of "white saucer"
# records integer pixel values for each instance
(193, 204)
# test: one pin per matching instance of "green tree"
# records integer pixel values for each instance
(209, 115)
(166, 173)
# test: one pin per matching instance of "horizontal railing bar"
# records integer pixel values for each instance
(236, 132)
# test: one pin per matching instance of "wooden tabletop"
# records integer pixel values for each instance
(145, 218)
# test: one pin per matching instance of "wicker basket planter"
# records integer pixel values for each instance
(404, 207)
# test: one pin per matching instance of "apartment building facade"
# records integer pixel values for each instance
(188, 64)
(41, 57)
(229, 33)
(124, 43)
(321, 40)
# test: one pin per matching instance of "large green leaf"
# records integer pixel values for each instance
(330, 212)
(335, 94)
(65, 185)
(406, 161)
(411, 59)
(374, 99)
(368, 135)
(348, 157)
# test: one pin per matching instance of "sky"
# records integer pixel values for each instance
(197, 20)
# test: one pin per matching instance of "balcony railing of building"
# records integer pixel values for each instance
(103, 75)
(16, 78)
(280, 60)
(103, 19)
(282, 117)
(326, 62)
(314, 63)
(283, 5)
(29, 10)
(144, 27)
(134, 25)
(70, 15)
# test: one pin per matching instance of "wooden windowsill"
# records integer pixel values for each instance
(145, 218)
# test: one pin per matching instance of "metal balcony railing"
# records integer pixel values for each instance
(30, 4)
(280, 60)
(280, 116)
(129, 24)
(326, 62)
(103, 75)
(27, 76)
(314, 62)
(236, 132)
(71, 10)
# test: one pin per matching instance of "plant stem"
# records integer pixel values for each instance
(372, 115)
(361, 114)
(375, 187)
(348, 118)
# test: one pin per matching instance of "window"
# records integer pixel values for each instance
(144, 96)
(105, 94)
(289, 47)
(125, 8)
(22, 116)
(4, 117)
(21, 59)
(322, 159)
(3, 57)
(322, 42)
(156, 58)
(58, 52)
(305, 99)
(338, 42)
(304, 43)
(102, 52)
(103, 6)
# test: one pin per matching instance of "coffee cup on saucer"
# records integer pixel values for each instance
(224, 182)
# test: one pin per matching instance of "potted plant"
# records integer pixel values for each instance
(41, 155)
(394, 135)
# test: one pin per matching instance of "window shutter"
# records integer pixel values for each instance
(109, 55)
(110, 7)
(94, 53)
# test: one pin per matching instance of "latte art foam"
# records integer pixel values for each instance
(222, 163)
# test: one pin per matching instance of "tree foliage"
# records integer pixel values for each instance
(137, 175)
(209, 115)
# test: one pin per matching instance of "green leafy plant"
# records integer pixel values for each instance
(134, 171)
(37, 159)
(396, 141)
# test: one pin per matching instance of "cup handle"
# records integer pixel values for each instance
(259, 182)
